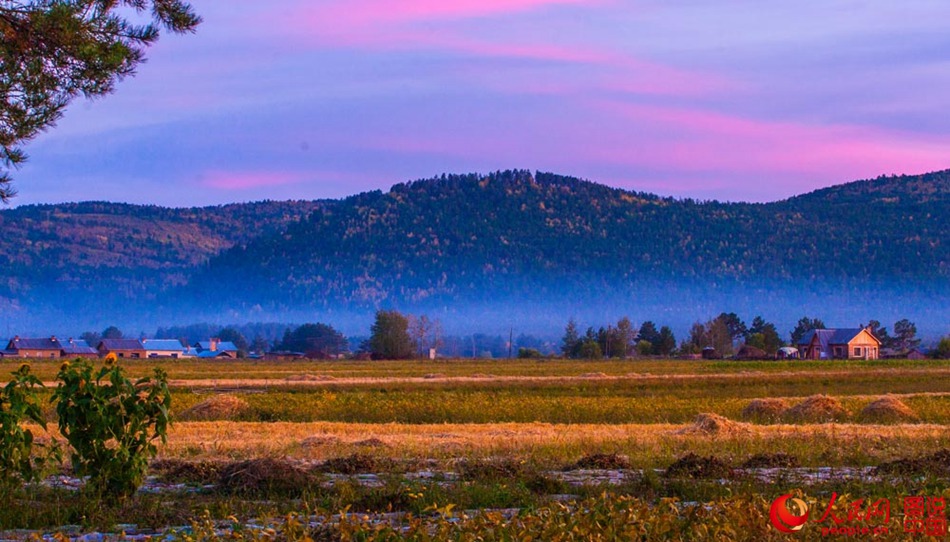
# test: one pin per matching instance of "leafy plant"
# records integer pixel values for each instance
(111, 423)
(19, 403)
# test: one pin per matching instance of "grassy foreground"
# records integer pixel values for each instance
(493, 436)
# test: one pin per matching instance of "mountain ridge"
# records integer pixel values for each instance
(477, 240)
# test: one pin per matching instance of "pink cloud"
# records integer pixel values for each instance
(248, 180)
(699, 141)
(373, 12)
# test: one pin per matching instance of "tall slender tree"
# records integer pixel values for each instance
(53, 51)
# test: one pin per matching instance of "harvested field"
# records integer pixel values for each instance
(409, 437)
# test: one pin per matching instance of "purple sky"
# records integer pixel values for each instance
(734, 99)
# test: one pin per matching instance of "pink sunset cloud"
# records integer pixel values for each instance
(381, 12)
(424, 26)
(248, 180)
(702, 141)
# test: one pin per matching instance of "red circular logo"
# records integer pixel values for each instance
(782, 516)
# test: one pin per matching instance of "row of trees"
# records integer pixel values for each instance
(620, 341)
(727, 333)
(395, 335)
(722, 336)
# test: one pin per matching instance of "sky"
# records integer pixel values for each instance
(734, 100)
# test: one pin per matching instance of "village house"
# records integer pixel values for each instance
(854, 343)
(33, 348)
(77, 348)
(122, 348)
(216, 348)
(163, 348)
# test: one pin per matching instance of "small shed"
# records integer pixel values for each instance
(787, 352)
(749, 353)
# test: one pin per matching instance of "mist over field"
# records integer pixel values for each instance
(509, 251)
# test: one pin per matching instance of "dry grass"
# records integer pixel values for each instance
(768, 410)
(817, 409)
(647, 445)
(218, 407)
(714, 425)
(888, 409)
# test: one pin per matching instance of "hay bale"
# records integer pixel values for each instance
(266, 475)
(433, 376)
(888, 409)
(601, 462)
(710, 424)
(218, 407)
(817, 409)
(769, 409)
(694, 466)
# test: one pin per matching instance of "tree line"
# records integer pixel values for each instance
(395, 335)
(726, 335)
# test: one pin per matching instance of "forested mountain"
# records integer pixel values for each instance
(499, 242)
(522, 234)
(133, 249)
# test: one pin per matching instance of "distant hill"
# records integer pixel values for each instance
(545, 244)
(522, 234)
(129, 248)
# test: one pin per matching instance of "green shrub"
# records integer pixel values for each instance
(111, 424)
(529, 353)
(18, 404)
